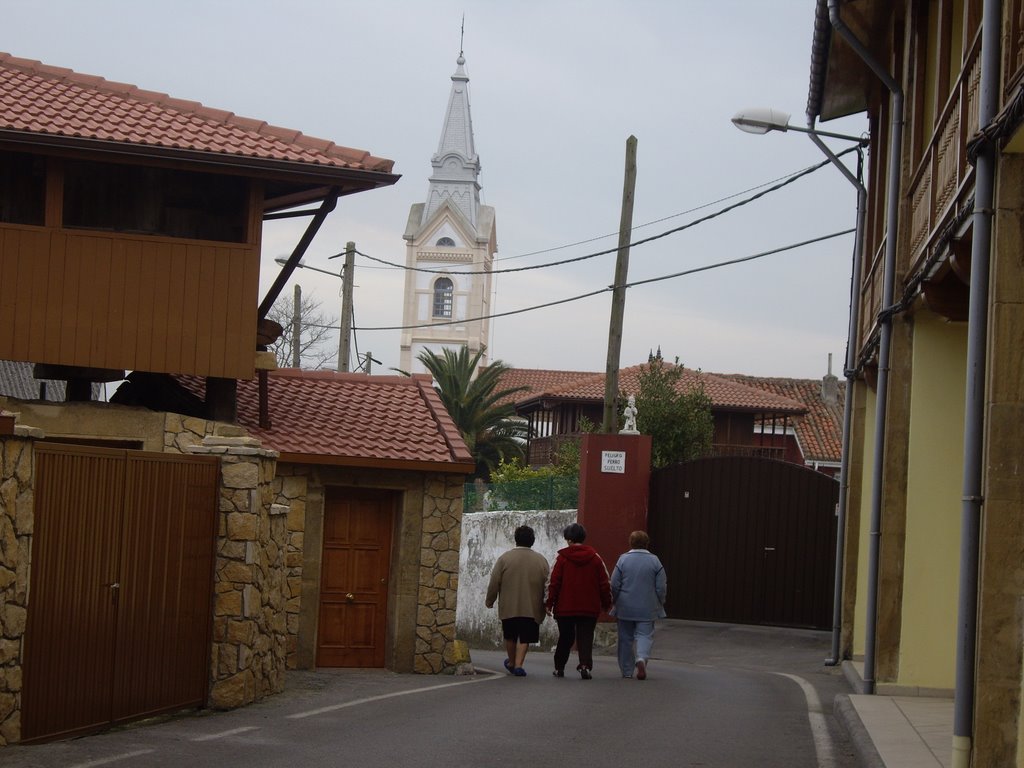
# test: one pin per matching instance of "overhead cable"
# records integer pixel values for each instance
(695, 270)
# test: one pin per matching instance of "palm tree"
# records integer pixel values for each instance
(491, 431)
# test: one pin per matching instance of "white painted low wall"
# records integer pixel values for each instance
(485, 536)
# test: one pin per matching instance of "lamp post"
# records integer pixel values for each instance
(761, 121)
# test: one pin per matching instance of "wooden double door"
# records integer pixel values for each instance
(355, 577)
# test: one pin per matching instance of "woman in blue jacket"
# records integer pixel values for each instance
(639, 587)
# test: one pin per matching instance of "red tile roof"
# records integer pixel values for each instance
(537, 381)
(40, 99)
(322, 417)
(724, 393)
(820, 430)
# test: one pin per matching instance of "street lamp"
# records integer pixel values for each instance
(282, 261)
(760, 121)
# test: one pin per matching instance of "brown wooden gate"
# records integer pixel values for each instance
(354, 577)
(120, 608)
(746, 540)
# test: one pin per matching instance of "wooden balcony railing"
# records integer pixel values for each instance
(936, 186)
(1013, 50)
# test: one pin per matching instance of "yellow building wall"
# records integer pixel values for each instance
(934, 488)
(860, 611)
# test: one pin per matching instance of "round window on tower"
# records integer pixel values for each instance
(446, 242)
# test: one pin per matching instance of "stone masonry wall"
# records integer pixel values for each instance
(436, 646)
(290, 491)
(249, 628)
(16, 521)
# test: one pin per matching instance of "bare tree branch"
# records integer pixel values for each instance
(317, 329)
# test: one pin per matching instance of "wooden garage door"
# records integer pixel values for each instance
(120, 608)
(354, 577)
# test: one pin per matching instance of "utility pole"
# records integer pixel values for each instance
(611, 374)
(297, 328)
(346, 306)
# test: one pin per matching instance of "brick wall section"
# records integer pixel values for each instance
(16, 520)
(436, 649)
(249, 628)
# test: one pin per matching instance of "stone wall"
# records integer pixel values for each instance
(436, 650)
(248, 657)
(16, 519)
(485, 535)
(291, 491)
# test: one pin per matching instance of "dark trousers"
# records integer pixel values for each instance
(578, 630)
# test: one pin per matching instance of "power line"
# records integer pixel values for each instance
(611, 287)
(793, 177)
(746, 201)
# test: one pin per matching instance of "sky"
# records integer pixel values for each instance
(556, 89)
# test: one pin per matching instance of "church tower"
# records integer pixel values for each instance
(453, 237)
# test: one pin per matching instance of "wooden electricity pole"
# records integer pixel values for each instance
(347, 283)
(611, 375)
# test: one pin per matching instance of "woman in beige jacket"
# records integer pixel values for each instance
(517, 583)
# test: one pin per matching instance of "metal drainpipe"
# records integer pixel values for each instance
(849, 372)
(974, 395)
(885, 334)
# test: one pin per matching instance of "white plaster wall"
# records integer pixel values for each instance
(485, 536)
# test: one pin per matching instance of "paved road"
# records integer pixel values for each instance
(717, 695)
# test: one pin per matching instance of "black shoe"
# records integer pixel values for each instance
(584, 673)
(559, 673)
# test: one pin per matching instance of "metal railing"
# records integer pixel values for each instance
(552, 492)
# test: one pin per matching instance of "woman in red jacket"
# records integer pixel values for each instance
(578, 592)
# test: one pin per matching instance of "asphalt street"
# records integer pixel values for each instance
(716, 695)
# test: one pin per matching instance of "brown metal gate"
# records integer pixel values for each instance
(120, 609)
(746, 540)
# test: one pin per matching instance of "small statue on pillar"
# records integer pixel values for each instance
(629, 418)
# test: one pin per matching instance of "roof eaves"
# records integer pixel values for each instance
(446, 425)
(367, 178)
(367, 462)
(819, 59)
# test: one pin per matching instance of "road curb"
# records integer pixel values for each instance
(861, 740)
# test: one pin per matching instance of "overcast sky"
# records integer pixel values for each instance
(556, 88)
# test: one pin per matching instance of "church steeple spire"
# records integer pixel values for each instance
(456, 164)
(450, 240)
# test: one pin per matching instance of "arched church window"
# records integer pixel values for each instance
(446, 242)
(444, 291)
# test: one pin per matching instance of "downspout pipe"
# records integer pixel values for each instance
(850, 373)
(885, 331)
(974, 395)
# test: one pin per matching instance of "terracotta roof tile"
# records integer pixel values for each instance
(537, 381)
(724, 393)
(352, 419)
(820, 430)
(39, 98)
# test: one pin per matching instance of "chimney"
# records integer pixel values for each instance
(830, 386)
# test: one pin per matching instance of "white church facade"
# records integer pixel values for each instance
(450, 245)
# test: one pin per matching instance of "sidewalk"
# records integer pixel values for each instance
(893, 731)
